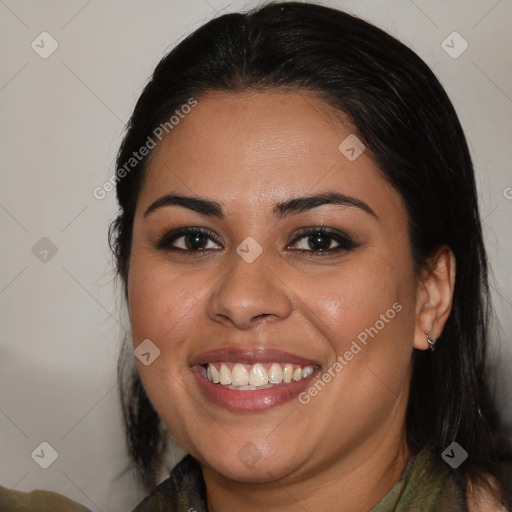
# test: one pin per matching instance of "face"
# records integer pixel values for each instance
(309, 332)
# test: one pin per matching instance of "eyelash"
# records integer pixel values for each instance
(344, 241)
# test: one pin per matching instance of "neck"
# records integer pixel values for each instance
(356, 482)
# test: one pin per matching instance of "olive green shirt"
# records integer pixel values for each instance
(419, 489)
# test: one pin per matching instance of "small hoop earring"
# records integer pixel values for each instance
(430, 341)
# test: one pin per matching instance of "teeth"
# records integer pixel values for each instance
(215, 377)
(239, 375)
(288, 373)
(258, 375)
(224, 375)
(251, 377)
(306, 372)
(275, 374)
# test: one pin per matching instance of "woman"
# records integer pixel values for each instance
(313, 206)
(301, 253)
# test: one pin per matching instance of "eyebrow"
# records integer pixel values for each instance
(281, 210)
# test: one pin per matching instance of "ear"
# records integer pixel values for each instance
(434, 296)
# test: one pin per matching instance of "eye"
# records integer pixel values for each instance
(190, 239)
(319, 241)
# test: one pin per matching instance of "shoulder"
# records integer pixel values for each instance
(37, 501)
(183, 490)
(484, 499)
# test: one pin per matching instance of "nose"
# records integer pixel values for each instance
(249, 294)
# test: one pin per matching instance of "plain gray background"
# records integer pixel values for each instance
(61, 125)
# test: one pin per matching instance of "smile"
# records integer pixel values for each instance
(252, 379)
(246, 377)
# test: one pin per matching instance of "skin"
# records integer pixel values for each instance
(249, 151)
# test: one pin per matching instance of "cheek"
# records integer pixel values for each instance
(358, 297)
(162, 306)
(365, 312)
(160, 301)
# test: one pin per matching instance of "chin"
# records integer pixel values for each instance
(252, 464)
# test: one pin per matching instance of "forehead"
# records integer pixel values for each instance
(252, 147)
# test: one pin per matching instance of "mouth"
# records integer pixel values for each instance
(252, 380)
(244, 377)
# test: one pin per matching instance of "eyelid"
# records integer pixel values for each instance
(180, 232)
(343, 240)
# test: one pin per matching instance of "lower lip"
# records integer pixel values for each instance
(257, 400)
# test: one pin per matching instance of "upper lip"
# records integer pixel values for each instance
(250, 356)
